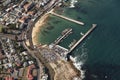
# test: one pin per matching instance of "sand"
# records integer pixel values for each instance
(36, 29)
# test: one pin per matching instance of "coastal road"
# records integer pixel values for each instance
(32, 53)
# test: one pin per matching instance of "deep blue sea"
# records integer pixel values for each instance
(100, 51)
(103, 45)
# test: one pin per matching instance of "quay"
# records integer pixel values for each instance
(66, 18)
(81, 39)
(62, 37)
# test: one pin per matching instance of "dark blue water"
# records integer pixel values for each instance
(103, 45)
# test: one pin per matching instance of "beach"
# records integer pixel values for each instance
(36, 28)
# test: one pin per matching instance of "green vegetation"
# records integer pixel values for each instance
(1, 28)
(12, 26)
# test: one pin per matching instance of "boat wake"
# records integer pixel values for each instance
(72, 3)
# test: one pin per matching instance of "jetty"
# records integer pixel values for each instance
(66, 18)
(69, 31)
(83, 37)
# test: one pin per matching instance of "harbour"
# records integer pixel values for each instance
(62, 40)
(98, 44)
(63, 52)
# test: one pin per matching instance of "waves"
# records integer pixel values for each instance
(79, 65)
(80, 59)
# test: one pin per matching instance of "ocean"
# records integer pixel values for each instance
(99, 54)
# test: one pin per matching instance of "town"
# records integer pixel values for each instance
(16, 18)
(20, 59)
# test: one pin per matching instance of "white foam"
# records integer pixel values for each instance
(80, 59)
(78, 65)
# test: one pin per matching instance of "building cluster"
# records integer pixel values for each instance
(60, 50)
(45, 77)
(49, 55)
(14, 59)
(21, 13)
(29, 72)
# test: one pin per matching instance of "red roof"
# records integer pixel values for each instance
(9, 78)
(29, 75)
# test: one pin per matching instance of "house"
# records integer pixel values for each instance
(24, 53)
(22, 25)
(26, 57)
(0, 62)
(25, 64)
(5, 61)
(28, 6)
(5, 66)
(30, 13)
(1, 67)
(9, 65)
(20, 74)
(22, 20)
(6, 2)
(10, 70)
(30, 62)
(29, 72)
(9, 78)
(12, 50)
(23, 3)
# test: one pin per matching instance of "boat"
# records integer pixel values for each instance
(82, 33)
(72, 43)
(66, 30)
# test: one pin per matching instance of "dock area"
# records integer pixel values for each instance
(84, 36)
(65, 51)
(66, 18)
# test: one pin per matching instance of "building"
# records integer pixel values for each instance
(9, 78)
(20, 74)
(22, 20)
(28, 6)
(23, 3)
(29, 72)
(6, 2)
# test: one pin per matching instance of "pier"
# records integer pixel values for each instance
(62, 37)
(66, 18)
(81, 39)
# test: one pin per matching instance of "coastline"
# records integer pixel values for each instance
(36, 28)
(54, 71)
